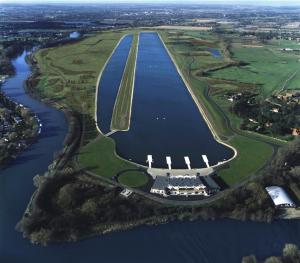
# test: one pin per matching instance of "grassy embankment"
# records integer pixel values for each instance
(122, 108)
(190, 52)
(68, 75)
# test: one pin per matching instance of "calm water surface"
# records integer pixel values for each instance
(202, 242)
(215, 52)
(165, 120)
(110, 82)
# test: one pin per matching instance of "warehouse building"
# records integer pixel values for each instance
(279, 197)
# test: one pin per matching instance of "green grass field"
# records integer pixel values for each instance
(122, 109)
(133, 179)
(268, 67)
(294, 83)
(99, 157)
(252, 155)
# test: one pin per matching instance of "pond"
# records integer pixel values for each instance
(215, 52)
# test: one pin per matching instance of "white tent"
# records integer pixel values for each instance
(280, 197)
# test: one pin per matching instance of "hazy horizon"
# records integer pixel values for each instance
(227, 2)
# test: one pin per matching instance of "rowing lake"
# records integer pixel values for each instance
(110, 82)
(189, 242)
(165, 120)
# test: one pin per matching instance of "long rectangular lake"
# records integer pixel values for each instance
(165, 120)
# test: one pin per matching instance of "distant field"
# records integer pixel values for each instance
(294, 83)
(185, 27)
(268, 67)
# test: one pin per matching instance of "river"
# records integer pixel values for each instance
(202, 241)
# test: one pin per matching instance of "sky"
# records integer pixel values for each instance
(251, 2)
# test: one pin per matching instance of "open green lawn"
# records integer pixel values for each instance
(252, 155)
(294, 83)
(122, 109)
(99, 157)
(133, 179)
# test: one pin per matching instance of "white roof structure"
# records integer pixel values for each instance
(126, 192)
(280, 197)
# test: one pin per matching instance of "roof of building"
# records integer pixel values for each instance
(210, 182)
(162, 182)
(185, 182)
(279, 196)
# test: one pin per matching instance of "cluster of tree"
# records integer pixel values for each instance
(246, 105)
(25, 130)
(28, 118)
(40, 24)
(11, 49)
(70, 205)
(59, 42)
(266, 36)
(290, 254)
(266, 117)
(6, 67)
(284, 170)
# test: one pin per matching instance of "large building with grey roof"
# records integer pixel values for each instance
(183, 185)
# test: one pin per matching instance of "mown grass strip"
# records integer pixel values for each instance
(122, 109)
